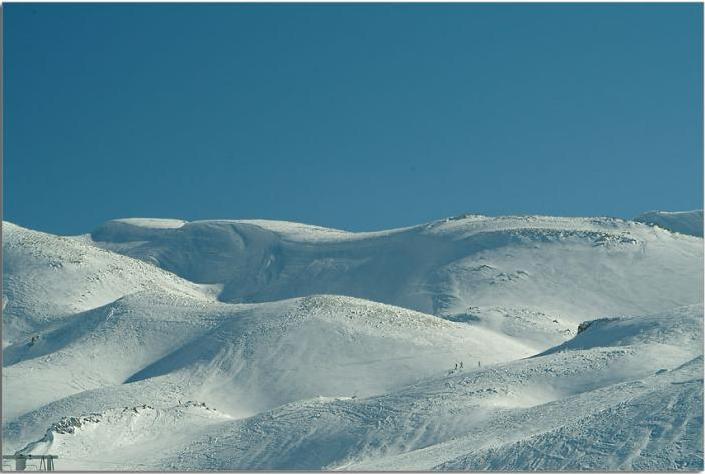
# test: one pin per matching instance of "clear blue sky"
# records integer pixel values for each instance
(353, 116)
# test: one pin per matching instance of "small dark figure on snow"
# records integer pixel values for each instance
(461, 365)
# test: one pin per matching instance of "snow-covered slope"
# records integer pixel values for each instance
(568, 269)
(104, 440)
(586, 406)
(444, 420)
(685, 222)
(245, 358)
(46, 278)
(313, 348)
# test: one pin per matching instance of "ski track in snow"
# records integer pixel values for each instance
(153, 344)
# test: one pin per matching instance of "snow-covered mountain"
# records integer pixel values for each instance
(164, 344)
(569, 268)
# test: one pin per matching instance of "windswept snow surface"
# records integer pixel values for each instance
(685, 222)
(218, 345)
